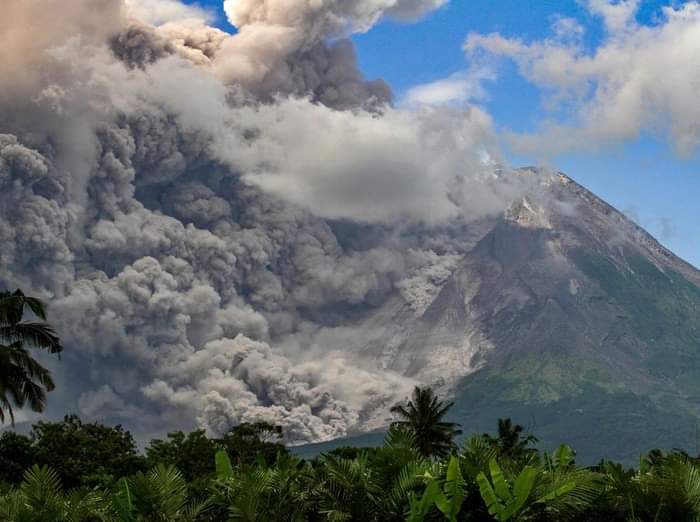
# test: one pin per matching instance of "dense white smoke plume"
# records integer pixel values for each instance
(200, 208)
(640, 78)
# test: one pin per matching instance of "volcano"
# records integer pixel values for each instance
(565, 316)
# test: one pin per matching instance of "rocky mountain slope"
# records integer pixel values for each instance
(567, 317)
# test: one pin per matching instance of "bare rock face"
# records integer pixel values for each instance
(564, 315)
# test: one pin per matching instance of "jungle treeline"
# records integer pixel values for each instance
(83, 472)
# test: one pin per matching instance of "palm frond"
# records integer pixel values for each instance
(22, 379)
(13, 306)
(408, 480)
(38, 335)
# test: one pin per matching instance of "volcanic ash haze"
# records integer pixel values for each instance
(210, 216)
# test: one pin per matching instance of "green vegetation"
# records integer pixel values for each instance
(423, 417)
(80, 472)
(597, 422)
(662, 309)
(564, 394)
(23, 381)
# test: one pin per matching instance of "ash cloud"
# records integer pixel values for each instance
(28, 29)
(269, 31)
(188, 203)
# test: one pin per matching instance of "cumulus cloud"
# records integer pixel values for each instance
(457, 88)
(639, 78)
(618, 15)
(193, 231)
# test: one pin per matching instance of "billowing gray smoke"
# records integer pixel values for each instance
(177, 194)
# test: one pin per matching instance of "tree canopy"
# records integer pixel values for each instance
(477, 481)
(23, 381)
(422, 418)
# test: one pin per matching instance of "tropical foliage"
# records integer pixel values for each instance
(23, 381)
(423, 417)
(191, 477)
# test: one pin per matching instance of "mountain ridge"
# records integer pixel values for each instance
(563, 305)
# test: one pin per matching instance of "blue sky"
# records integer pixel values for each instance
(642, 176)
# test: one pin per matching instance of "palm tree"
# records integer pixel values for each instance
(422, 418)
(510, 441)
(23, 381)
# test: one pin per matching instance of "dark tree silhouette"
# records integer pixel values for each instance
(422, 417)
(249, 442)
(85, 453)
(23, 381)
(511, 440)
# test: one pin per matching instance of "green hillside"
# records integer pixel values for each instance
(561, 395)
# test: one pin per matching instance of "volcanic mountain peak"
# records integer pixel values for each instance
(528, 214)
(563, 312)
(581, 218)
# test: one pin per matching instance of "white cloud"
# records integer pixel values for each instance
(455, 89)
(566, 28)
(639, 79)
(616, 15)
